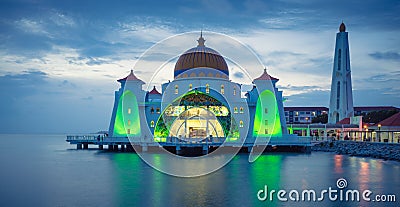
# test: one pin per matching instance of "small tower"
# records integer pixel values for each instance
(341, 99)
(128, 108)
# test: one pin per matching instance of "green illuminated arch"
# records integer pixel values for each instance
(267, 119)
(127, 121)
(190, 100)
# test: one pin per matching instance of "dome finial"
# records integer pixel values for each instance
(201, 40)
(342, 27)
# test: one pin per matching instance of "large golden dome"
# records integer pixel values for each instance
(201, 61)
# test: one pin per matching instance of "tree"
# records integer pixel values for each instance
(322, 118)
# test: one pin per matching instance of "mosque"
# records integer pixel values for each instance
(200, 103)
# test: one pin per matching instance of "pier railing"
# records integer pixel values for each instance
(171, 141)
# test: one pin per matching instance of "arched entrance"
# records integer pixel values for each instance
(196, 123)
(195, 116)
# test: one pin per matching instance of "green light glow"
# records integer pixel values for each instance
(127, 117)
(267, 119)
(191, 102)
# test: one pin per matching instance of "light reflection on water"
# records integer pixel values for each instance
(46, 171)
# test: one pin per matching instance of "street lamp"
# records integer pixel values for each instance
(379, 132)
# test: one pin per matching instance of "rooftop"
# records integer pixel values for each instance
(265, 76)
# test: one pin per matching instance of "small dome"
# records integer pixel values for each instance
(342, 27)
(203, 58)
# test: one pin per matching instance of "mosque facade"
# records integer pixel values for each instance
(201, 102)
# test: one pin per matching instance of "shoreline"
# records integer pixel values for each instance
(386, 151)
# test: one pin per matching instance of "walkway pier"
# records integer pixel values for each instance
(183, 147)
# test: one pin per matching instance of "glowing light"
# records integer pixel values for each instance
(267, 112)
(127, 120)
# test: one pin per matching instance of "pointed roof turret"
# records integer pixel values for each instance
(154, 91)
(130, 77)
(265, 76)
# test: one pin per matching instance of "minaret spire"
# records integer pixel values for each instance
(341, 98)
(201, 40)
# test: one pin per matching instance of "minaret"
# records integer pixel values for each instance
(341, 100)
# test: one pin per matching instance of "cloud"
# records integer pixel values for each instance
(32, 26)
(34, 102)
(239, 75)
(310, 98)
(385, 56)
(76, 50)
(300, 88)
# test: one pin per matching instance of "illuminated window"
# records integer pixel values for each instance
(176, 89)
(235, 110)
(128, 131)
(190, 86)
(152, 124)
(297, 113)
(241, 123)
(158, 110)
(266, 122)
(129, 110)
(241, 110)
(129, 122)
(266, 110)
(234, 90)
(152, 110)
(313, 113)
(207, 88)
(222, 89)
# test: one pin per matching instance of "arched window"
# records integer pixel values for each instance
(158, 110)
(207, 88)
(129, 122)
(152, 124)
(338, 95)
(129, 111)
(241, 110)
(339, 59)
(222, 89)
(241, 123)
(235, 110)
(152, 110)
(190, 87)
(234, 90)
(176, 89)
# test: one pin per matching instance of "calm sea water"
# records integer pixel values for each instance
(44, 170)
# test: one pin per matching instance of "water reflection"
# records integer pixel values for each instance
(338, 163)
(266, 171)
(238, 182)
(363, 175)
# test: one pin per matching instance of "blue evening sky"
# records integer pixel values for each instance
(59, 60)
